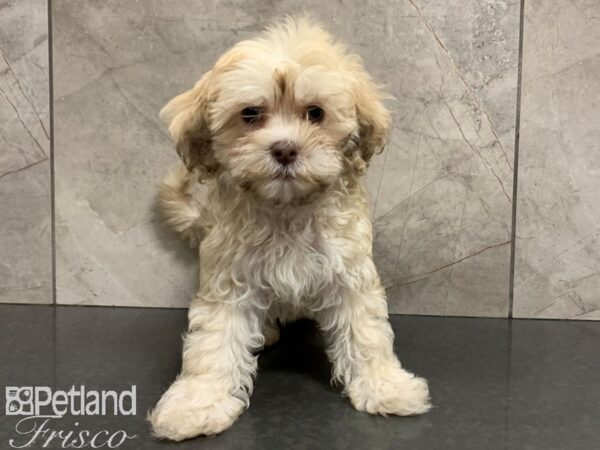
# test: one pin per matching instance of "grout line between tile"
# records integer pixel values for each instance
(54, 345)
(516, 163)
(508, 384)
(51, 117)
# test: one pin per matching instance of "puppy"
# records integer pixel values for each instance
(280, 132)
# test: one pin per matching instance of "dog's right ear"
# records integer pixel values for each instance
(187, 116)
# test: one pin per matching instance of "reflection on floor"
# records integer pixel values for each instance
(495, 384)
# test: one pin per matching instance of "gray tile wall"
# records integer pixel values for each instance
(557, 266)
(446, 173)
(115, 65)
(25, 230)
(443, 204)
(441, 193)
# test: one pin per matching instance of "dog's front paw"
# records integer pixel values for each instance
(193, 406)
(400, 393)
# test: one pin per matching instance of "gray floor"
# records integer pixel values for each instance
(495, 384)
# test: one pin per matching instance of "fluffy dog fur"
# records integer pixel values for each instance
(278, 242)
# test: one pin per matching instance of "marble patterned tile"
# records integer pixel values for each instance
(481, 38)
(557, 266)
(441, 191)
(25, 232)
(442, 217)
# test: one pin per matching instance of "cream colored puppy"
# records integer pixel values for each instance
(280, 131)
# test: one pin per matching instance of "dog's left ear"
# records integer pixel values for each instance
(373, 118)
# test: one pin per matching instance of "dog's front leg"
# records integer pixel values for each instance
(360, 342)
(216, 379)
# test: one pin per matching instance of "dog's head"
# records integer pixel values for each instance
(283, 116)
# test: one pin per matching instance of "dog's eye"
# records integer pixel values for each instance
(252, 114)
(314, 114)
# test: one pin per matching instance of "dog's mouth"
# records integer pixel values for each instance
(285, 173)
(284, 176)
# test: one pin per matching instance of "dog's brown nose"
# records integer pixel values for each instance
(284, 152)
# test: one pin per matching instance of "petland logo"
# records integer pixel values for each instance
(42, 406)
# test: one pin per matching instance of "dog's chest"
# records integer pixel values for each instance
(293, 266)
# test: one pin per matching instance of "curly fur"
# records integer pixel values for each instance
(278, 243)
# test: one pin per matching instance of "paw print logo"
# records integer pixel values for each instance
(19, 400)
